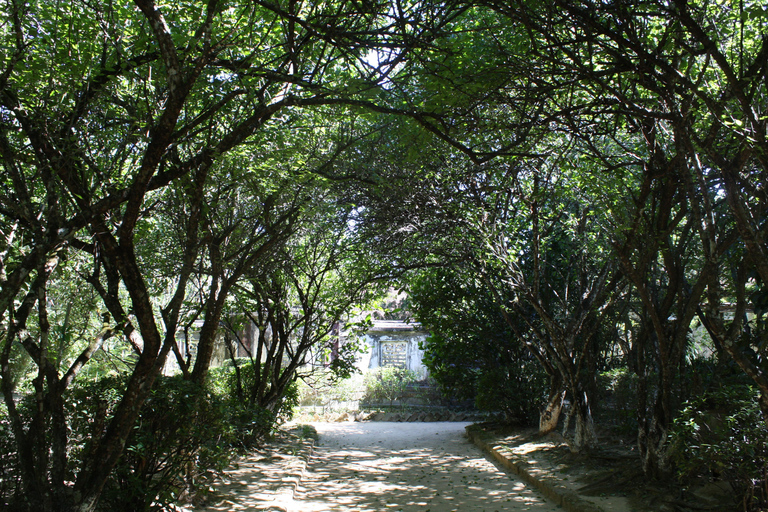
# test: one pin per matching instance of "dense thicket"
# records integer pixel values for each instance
(156, 158)
(582, 181)
(618, 200)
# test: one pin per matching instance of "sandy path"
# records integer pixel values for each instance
(381, 466)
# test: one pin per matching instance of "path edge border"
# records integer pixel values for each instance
(547, 485)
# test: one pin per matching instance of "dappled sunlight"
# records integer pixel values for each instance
(258, 481)
(421, 468)
(527, 448)
(369, 467)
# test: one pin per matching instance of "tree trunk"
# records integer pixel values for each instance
(102, 460)
(550, 414)
(584, 437)
(652, 441)
(653, 430)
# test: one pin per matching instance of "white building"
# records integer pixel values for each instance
(394, 343)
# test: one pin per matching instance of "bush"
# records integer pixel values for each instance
(722, 435)
(516, 392)
(387, 383)
(617, 399)
(288, 403)
(184, 435)
(224, 380)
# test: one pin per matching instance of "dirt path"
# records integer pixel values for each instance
(381, 466)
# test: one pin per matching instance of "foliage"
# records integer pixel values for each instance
(172, 147)
(227, 380)
(517, 391)
(721, 436)
(471, 351)
(9, 466)
(296, 302)
(184, 437)
(387, 383)
(167, 162)
(446, 360)
(324, 389)
(617, 399)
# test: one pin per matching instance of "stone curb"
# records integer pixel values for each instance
(548, 485)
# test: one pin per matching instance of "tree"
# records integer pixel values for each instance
(471, 351)
(298, 300)
(150, 96)
(550, 264)
(695, 71)
(681, 95)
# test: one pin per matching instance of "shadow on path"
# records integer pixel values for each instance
(406, 466)
(265, 479)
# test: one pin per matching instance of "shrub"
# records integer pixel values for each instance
(387, 383)
(617, 399)
(514, 391)
(324, 389)
(722, 435)
(288, 404)
(184, 434)
(224, 380)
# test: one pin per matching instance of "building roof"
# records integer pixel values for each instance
(395, 325)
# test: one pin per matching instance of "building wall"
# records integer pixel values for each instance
(394, 343)
(388, 342)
